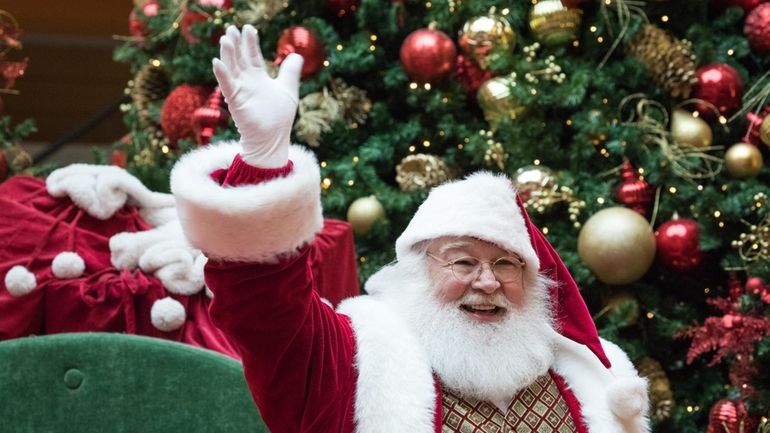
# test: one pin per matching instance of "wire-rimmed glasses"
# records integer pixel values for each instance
(468, 268)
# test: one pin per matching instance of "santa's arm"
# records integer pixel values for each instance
(253, 208)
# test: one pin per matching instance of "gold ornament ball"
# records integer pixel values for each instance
(364, 212)
(481, 34)
(496, 100)
(554, 24)
(764, 130)
(617, 244)
(688, 129)
(532, 178)
(743, 160)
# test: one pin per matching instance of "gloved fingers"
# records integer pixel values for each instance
(235, 37)
(227, 55)
(250, 38)
(224, 78)
(290, 72)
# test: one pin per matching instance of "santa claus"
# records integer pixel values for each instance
(477, 326)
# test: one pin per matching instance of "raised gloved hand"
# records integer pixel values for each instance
(262, 108)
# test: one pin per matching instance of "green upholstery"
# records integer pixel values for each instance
(104, 383)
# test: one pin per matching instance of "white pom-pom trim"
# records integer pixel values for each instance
(628, 398)
(20, 281)
(68, 265)
(167, 314)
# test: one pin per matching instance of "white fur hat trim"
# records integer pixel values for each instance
(483, 206)
(167, 314)
(627, 397)
(20, 281)
(67, 265)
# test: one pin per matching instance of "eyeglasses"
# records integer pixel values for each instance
(467, 269)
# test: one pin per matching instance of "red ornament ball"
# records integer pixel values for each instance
(428, 55)
(633, 192)
(301, 40)
(677, 244)
(470, 75)
(137, 20)
(178, 108)
(747, 5)
(722, 86)
(190, 18)
(755, 285)
(342, 7)
(757, 28)
(730, 416)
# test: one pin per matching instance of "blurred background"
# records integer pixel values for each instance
(71, 77)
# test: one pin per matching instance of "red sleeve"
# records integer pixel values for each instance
(297, 352)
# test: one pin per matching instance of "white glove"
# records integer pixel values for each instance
(262, 108)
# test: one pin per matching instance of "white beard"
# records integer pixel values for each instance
(488, 361)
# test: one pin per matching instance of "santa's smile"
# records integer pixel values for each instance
(483, 312)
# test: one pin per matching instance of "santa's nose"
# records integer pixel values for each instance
(486, 281)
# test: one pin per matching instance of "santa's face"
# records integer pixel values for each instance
(482, 279)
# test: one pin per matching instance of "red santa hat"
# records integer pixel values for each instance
(486, 206)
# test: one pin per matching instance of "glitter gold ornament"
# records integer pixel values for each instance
(743, 161)
(688, 129)
(364, 212)
(554, 24)
(496, 100)
(530, 179)
(481, 34)
(661, 397)
(421, 172)
(617, 244)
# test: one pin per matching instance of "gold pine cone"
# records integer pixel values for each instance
(668, 60)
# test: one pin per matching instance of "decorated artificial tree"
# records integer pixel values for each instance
(636, 133)
(13, 159)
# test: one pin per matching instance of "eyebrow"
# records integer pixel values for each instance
(455, 245)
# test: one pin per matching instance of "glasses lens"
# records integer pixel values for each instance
(465, 268)
(507, 270)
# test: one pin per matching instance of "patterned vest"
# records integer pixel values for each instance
(538, 408)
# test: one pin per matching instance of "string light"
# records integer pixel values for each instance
(717, 214)
(730, 52)
(664, 18)
(164, 149)
(700, 187)
(355, 159)
(339, 47)
(372, 48)
(445, 100)
(428, 5)
(362, 259)
(351, 182)
(569, 122)
(373, 38)
(600, 200)
(545, 230)
(672, 190)
(592, 29)
(326, 63)
(650, 315)
(536, 162)
(427, 86)
(412, 148)
(323, 164)
(707, 290)
(600, 39)
(327, 183)
(575, 43)
(412, 86)
(155, 62)
(426, 143)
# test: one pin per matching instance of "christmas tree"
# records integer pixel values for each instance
(634, 130)
(13, 159)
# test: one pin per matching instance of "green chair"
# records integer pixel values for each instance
(105, 383)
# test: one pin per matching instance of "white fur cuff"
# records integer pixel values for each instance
(254, 223)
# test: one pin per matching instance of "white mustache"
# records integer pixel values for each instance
(497, 299)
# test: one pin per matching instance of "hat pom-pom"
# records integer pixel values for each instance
(628, 397)
(68, 265)
(20, 281)
(167, 314)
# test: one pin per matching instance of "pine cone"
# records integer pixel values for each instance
(669, 61)
(661, 397)
(149, 85)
